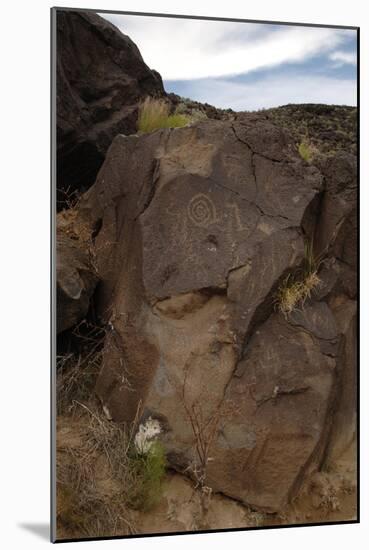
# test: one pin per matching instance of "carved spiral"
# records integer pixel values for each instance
(201, 210)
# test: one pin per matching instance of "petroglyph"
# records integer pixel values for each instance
(239, 225)
(201, 210)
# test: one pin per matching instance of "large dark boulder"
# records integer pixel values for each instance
(101, 77)
(192, 231)
(197, 227)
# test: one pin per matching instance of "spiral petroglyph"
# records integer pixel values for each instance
(201, 210)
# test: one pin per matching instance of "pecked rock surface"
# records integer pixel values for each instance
(192, 230)
(101, 77)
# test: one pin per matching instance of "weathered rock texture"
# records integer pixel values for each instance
(336, 238)
(75, 272)
(101, 77)
(193, 231)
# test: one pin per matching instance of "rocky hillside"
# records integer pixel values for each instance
(329, 128)
(221, 269)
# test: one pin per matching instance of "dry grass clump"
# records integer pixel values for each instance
(76, 372)
(311, 282)
(154, 114)
(296, 289)
(101, 476)
(92, 475)
(101, 473)
(289, 295)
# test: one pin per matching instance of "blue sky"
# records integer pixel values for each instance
(246, 66)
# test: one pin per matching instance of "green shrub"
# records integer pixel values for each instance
(177, 121)
(305, 151)
(154, 114)
(149, 472)
(309, 151)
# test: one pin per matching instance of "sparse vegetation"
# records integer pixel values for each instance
(68, 198)
(154, 114)
(205, 431)
(330, 128)
(77, 370)
(289, 295)
(310, 267)
(149, 472)
(305, 151)
(84, 506)
(296, 289)
(308, 151)
(193, 113)
(101, 475)
(205, 427)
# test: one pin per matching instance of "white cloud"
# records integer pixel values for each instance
(182, 49)
(273, 91)
(343, 57)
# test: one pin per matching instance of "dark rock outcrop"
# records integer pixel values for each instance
(75, 273)
(197, 227)
(336, 240)
(101, 77)
(192, 230)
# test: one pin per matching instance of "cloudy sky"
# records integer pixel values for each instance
(246, 66)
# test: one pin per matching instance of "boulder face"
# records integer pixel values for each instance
(101, 77)
(192, 231)
(197, 227)
(336, 238)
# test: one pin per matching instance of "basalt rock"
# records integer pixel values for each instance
(101, 77)
(194, 229)
(75, 273)
(336, 237)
